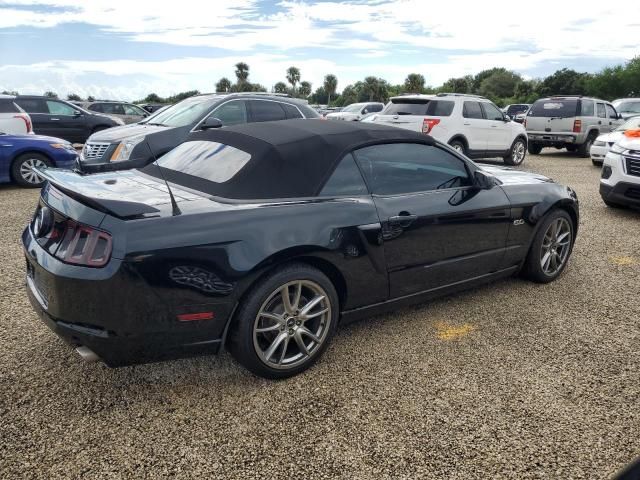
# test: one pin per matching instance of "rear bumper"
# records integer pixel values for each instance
(113, 312)
(553, 139)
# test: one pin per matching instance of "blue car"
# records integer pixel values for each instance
(20, 154)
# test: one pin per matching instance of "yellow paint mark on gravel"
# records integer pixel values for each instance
(446, 331)
(623, 261)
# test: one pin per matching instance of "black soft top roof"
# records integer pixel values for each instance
(290, 158)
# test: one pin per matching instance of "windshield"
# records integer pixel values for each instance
(354, 108)
(183, 113)
(630, 124)
(554, 107)
(628, 107)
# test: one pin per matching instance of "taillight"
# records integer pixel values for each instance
(84, 245)
(429, 123)
(27, 121)
(577, 126)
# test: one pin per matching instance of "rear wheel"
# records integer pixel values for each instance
(285, 323)
(22, 169)
(551, 248)
(534, 148)
(585, 148)
(458, 146)
(517, 153)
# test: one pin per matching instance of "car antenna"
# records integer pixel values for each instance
(174, 204)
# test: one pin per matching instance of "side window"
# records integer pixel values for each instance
(611, 112)
(602, 112)
(263, 111)
(375, 108)
(231, 113)
(133, 110)
(59, 108)
(586, 108)
(345, 179)
(292, 112)
(491, 111)
(440, 108)
(399, 168)
(471, 110)
(96, 107)
(32, 105)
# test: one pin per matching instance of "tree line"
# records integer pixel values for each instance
(499, 84)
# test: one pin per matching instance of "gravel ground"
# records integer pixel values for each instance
(514, 380)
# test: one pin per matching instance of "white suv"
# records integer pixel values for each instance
(471, 124)
(620, 177)
(13, 119)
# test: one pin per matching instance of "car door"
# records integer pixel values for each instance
(603, 124)
(498, 133)
(438, 227)
(37, 110)
(474, 127)
(612, 117)
(66, 121)
(265, 111)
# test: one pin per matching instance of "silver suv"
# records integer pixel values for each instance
(571, 122)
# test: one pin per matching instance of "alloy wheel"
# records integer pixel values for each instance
(28, 173)
(555, 246)
(292, 324)
(518, 153)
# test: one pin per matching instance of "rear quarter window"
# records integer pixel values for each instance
(291, 111)
(554, 107)
(7, 106)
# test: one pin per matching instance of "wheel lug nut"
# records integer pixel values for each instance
(291, 331)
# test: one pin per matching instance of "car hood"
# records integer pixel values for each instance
(511, 176)
(629, 143)
(117, 134)
(610, 137)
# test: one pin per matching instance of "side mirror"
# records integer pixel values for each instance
(77, 113)
(506, 118)
(211, 122)
(483, 180)
(620, 117)
(365, 111)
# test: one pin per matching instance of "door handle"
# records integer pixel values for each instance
(494, 126)
(54, 119)
(403, 219)
(467, 124)
(599, 122)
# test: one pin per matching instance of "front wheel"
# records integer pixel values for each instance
(285, 323)
(517, 153)
(551, 248)
(22, 169)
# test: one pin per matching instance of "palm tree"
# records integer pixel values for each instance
(370, 87)
(330, 86)
(74, 97)
(414, 83)
(293, 77)
(280, 87)
(242, 72)
(223, 85)
(305, 89)
(50, 94)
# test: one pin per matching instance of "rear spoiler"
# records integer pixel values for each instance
(94, 193)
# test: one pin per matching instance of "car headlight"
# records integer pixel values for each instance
(599, 143)
(617, 149)
(63, 146)
(124, 150)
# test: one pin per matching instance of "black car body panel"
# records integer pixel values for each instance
(62, 119)
(207, 258)
(159, 139)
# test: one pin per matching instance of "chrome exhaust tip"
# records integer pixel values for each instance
(87, 354)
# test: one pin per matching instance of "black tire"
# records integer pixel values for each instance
(533, 269)
(22, 165)
(584, 149)
(534, 148)
(459, 146)
(517, 152)
(596, 163)
(244, 340)
(571, 148)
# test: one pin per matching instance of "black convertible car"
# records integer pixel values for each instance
(276, 232)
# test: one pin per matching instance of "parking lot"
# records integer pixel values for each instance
(513, 380)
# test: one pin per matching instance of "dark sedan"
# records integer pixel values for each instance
(274, 233)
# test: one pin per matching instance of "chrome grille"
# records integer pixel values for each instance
(633, 165)
(94, 150)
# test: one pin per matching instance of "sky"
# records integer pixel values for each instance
(126, 49)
